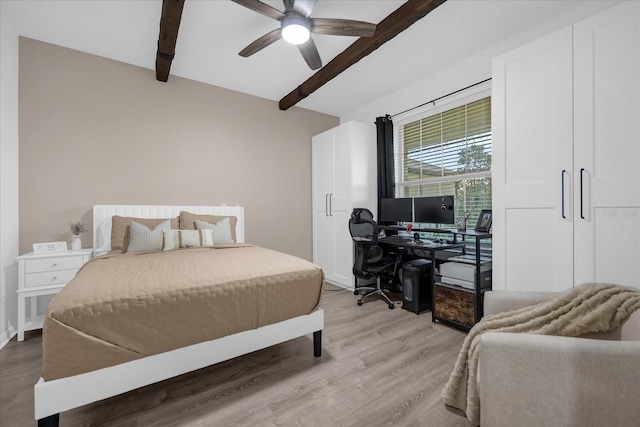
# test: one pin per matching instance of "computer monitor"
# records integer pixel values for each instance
(434, 210)
(396, 210)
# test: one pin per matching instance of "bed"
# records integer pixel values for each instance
(129, 320)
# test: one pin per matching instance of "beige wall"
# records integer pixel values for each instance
(97, 131)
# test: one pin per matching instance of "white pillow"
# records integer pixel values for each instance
(221, 230)
(104, 237)
(143, 239)
(174, 239)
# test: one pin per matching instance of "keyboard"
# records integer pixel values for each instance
(397, 239)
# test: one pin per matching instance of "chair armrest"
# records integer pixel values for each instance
(539, 380)
(501, 301)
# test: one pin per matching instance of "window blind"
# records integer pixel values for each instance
(448, 153)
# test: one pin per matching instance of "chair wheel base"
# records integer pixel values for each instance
(359, 302)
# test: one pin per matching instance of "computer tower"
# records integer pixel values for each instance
(416, 285)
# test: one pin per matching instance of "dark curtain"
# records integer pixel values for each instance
(386, 180)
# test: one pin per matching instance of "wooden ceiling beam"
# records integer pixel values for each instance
(169, 25)
(398, 21)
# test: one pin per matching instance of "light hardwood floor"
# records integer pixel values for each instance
(379, 367)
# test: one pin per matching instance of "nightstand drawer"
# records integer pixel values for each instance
(53, 264)
(48, 278)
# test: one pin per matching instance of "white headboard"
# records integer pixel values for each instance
(102, 217)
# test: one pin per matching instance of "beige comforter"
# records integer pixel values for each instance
(124, 307)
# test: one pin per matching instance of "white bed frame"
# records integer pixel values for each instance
(53, 397)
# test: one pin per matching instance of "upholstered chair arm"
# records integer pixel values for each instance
(536, 380)
(501, 301)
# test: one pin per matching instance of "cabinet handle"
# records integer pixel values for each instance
(326, 205)
(581, 204)
(563, 172)
(330, 204)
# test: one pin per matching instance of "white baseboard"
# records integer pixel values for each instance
(340, 285)
(7, 336)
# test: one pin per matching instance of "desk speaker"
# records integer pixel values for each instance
(416, 285)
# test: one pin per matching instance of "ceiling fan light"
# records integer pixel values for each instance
(295, 29)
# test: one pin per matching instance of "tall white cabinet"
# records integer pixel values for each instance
(344, 176)
(566, 157)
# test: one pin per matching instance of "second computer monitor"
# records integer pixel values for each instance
(434, 210)
(396, 210)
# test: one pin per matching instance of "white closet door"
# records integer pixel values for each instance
(323, 170)
(323, 182)
(532, 145)
(341, 205)
(607, 147)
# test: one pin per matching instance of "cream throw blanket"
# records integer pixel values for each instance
(585, 309)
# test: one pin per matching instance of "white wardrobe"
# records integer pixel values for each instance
(344, 176)
(566, 156)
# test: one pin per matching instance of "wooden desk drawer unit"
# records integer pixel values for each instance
(44, 274)
(455, 305)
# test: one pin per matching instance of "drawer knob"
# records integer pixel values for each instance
(54, 265)
(54, 278)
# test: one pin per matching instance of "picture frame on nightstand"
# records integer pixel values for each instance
(49, 247)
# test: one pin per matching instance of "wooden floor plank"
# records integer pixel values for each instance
(379, 367)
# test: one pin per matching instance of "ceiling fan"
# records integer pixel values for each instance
(296, 26)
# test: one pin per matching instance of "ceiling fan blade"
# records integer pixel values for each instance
(261, 43)
(342, 27)
(310, 54)
(303, 7)
(262, 8)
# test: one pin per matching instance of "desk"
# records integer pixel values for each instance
(413, 246)
(449, 302)
(414, 229)
(425, 249)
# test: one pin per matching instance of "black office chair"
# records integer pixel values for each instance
(369, 260)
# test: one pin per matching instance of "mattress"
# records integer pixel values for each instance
(123, 307)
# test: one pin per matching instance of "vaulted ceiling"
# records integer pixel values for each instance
(213, 32)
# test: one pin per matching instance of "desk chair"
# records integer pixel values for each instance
(369, 261)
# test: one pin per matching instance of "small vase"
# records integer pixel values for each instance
(76, 243)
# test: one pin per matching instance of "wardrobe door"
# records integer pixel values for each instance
(607, 147)
(322, 187)
(341, 205)
(532, 116)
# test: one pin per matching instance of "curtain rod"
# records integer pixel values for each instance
(443, 96)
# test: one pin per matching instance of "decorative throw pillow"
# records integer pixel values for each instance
(174, 239)
(188, 219)
(120, 229)
(144, 239)
(221, 230)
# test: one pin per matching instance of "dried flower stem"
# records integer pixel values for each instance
(77, 228)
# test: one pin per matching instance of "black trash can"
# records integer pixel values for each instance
(416, 285)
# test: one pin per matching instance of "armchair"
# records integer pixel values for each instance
(369, 261)
(542, 380)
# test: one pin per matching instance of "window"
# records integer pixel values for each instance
(447, 152)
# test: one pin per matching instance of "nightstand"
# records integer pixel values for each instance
(44, 274)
